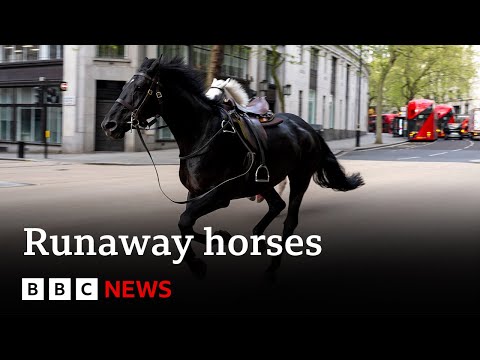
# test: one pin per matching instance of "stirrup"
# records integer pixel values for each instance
(262, 166)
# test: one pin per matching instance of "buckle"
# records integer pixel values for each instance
(228, 131)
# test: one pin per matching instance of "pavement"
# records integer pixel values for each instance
(170, 156)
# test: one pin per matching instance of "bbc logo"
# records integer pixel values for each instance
(59, 289)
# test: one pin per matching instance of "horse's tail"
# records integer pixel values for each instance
(330, 174)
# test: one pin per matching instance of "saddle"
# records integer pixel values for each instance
(250, 121)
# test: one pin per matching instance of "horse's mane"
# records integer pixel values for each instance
(238, 93)
(175, 70)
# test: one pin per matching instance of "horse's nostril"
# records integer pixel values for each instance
(110, 125)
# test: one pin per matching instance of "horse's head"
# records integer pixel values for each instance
(216, 92)
(138, 101)
(229, 89)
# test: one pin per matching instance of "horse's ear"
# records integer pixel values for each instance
(226, 82)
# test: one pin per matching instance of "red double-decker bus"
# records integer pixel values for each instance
(445, 115)
(421, 120)
(387, 123)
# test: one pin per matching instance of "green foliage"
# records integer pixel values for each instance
(439, 72)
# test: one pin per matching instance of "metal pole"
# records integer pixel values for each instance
(44, 124)
(357, 134)
(21, 149)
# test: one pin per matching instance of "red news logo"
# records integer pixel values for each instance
(129, 289)
(87, 289)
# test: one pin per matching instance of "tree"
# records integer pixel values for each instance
(216, 62)
(383, 60)
(276, 60)
(439, 72)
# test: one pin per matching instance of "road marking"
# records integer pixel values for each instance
(411, 157)
(457, 150)
(471, 144)
(446, 152)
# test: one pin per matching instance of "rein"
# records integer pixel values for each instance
(135, 123)
(250, 155)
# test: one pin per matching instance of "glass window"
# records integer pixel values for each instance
(333, 76)
(6, 121)
(201, 57)
(29, 126)
(269, 68)
(54, 124)
(6, 95)
(300, 103)
(314, 59)
(111, 51)
(14, 53)
(25, 95)
(170, 51)
(56, 52)
(165, 133)
(312, 106)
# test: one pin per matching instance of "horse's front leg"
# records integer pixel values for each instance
(194, 210)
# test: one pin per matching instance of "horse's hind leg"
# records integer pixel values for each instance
(298, 186)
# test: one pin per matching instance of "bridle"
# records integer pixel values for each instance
(134, 117)
(138, 125)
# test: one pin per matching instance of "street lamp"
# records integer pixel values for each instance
(287, 90)
(263, 86)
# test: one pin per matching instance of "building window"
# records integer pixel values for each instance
(6, 114)
(111, 51)
(300, 102)
(347, 95)
(269, 67)
(56, 52)
(313, 68)
(16, 53)
(54, 124)
(29, 126)
(235, 61)
(6, 95)
(312, 106)
(6, 121)
(165, 133)
(333, 76)
(332, 113)
(170, 51)
(21, 116)
(323, 109)
(201, 57)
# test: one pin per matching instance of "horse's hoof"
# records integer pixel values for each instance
(198, 268)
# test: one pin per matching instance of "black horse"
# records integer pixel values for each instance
(210, 156)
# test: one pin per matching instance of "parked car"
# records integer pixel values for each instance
(453, 131)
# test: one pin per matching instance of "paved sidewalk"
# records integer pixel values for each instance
(170, 156)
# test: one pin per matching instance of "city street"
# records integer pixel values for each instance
(405, 243)
(451, 150)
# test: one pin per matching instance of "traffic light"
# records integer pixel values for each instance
(52, 95)
(38, 92)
